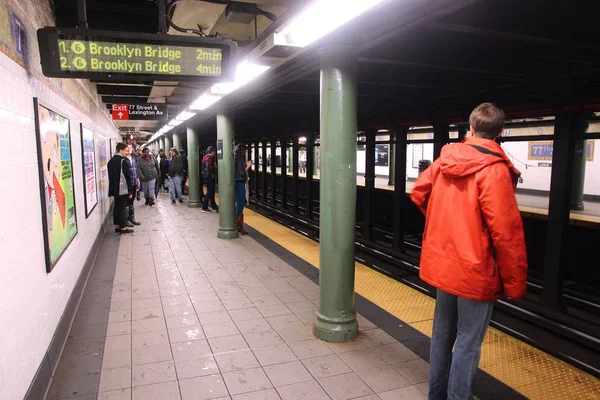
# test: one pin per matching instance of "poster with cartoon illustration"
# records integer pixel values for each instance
(56, 182)
(88, 158)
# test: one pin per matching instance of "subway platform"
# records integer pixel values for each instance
(173, 313)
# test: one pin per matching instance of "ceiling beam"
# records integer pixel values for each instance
(493, 34)
(410, 64)
(123, 90)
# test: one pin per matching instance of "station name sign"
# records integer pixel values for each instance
(119, 56)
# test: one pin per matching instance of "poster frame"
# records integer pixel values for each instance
(417, 149)
(111, 145)
(88, 212)
(47, 252)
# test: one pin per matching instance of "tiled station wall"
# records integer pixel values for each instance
(31, 300)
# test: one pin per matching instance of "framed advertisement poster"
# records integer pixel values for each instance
(111, 148)
(55, 163)
(88, 160)
(417, 154)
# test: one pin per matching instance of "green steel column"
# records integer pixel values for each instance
(177, 140)
(167, 145)
(161, 143)
(579, 160)
(195, 196)
(227, 228)
(336, 318)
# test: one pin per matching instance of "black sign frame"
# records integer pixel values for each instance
(49, 37)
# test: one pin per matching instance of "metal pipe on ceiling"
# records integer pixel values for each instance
(81, 14)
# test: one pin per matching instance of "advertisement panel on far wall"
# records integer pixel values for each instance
(55, 163)
(88, 157)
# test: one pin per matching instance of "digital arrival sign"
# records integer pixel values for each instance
(76, 53)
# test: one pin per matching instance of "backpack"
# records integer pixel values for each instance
(207, 174)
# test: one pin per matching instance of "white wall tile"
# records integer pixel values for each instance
(31, 301)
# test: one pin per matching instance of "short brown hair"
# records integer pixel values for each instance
(487, 119)
(174, 150)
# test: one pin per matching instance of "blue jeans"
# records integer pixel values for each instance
(240, 197)
(175, 187)
(149, 189)
(464, 321)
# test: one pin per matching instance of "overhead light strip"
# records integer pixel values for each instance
(316, 21)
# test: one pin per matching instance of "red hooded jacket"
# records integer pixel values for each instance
(473, 244)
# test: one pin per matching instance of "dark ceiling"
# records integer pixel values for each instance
(422, 62)
(119, 15)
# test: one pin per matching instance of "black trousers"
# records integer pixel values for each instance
(210, 195)
(130, 209)
(120, 212)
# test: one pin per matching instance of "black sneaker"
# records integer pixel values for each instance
(173, 201)
(133, 221)
(206, 210)
(181, 200)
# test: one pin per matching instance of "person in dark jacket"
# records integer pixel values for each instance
(164, 169)
(118, 167)
(241, 177)
(130, 155)
(175, 175)
(148, 173)
(184, 176)
(208, 176)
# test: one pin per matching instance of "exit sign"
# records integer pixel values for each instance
(120, 112)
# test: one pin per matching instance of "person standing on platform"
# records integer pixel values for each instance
(164, 170)
(120, 186)
(175, 175)
(208, 176)
(130, 155)
(473, 248)
(241, 177)
(148, 173)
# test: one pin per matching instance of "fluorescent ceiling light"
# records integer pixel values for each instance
(204, 101)
(174, 122)
(322, 17)
(184, 116)
(244, 73)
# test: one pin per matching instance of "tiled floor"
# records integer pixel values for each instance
(173, 313)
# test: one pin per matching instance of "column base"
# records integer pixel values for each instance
(577, 206)
(336, 330)
(194, 203)
(227, 233)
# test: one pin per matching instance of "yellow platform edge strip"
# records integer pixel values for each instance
(533, 373)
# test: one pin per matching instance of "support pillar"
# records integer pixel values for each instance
(256, 180)
(161, 144)
(273, 171)
(225, 168)
(391, 160)
(567, 125)
(177, 141)
(295, 172)
(579, 160)
(283, 141)
(168, 145)
(369, 185)
(264, 170)
(441, 136)
(336, 318)
(462, 131)
(310, 174)
(400, 198)
(195, 196)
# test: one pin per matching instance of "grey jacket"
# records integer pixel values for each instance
(147, 169)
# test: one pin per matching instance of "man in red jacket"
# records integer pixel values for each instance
(473, 248)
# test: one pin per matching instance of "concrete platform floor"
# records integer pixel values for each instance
(173, 313)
